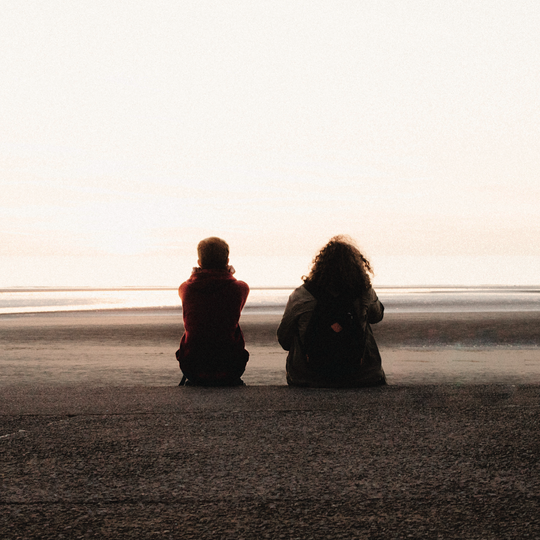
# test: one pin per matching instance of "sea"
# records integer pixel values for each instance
(26, 300)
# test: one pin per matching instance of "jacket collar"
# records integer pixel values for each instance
(224, 273)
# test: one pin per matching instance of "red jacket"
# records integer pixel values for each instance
(212, 346)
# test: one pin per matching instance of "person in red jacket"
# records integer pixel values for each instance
(212, 350)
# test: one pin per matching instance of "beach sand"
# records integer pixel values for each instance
(96, 439)
(417, 461)
(137, 348)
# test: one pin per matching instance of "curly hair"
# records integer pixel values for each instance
(339, 268)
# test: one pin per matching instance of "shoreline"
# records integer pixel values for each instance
(267, 300)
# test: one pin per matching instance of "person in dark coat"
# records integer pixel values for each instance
(339, 271)
(212, 349)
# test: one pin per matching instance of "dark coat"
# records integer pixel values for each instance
(292, 329)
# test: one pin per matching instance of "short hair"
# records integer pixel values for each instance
(213, 253)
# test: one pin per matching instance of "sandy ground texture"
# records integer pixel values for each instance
(137, 348)
(415, 461)
(97, 441)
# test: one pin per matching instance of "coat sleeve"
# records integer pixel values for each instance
(296, 317)
(243, 287)
(182, 290)
(375, 310)
(287, 327)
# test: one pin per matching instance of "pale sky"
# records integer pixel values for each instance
(132, 129)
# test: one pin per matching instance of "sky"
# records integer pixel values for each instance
(130, 130)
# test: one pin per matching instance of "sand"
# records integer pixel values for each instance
(97, 441)
(137, 348)
(417, 461)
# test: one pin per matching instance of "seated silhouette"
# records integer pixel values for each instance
(212, 350)
(326, 323)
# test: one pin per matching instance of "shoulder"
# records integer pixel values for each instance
(301, 300)
(242, 287)
(190, 283)
(182, 288)
(301, 294)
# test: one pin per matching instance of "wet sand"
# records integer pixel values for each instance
(137, 348)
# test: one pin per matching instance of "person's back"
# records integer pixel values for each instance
(339, 286)
(212, 350)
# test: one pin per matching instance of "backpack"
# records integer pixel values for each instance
(334, 341)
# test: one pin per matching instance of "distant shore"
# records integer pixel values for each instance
(397, 300)
(134, 348)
